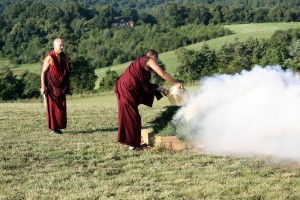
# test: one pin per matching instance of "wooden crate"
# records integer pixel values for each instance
(147, 137)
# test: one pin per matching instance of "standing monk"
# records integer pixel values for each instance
(134, 88)
(54, 86)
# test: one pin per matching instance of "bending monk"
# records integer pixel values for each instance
(134, 88)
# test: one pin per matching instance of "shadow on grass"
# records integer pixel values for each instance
(92, 131)
(162, 123)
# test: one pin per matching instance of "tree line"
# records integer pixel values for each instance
(28, 28)
(283, 48)
(142, 4)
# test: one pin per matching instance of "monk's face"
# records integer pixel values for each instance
(58, 45)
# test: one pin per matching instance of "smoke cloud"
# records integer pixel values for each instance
(253, 112)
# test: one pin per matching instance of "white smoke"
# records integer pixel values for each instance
(253, 112)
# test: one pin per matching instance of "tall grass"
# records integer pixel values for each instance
(86, 162)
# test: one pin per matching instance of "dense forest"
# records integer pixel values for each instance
(144, 4)
(283, 49)
(29, 27)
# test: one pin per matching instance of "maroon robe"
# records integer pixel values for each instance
(57, 85)
(132, 89)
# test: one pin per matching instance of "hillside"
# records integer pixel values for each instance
(242, 31)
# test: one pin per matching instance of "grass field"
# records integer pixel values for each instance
(87, 163)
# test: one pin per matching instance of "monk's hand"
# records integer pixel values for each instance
(179, 85)
(163, 91)
(42, 90)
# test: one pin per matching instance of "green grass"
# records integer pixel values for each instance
(245, 31)
(18, 69)
(87, 163)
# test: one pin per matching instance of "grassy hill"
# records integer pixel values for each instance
(241, 31)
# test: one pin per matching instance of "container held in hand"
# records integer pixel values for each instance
(178, 97)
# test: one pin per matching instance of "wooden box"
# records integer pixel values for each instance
(147, 137)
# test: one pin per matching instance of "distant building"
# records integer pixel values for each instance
(122, 21)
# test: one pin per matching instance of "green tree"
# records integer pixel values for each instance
(83, 76)
(277, 50)
(199, 14)
(103, 17)
(10, 87)
(109, 81)
(224, 57)
(130, 12)
(217, 15)
(209, 61)
(195, 64)
(146, 18)
(31, 82)
(294, 61)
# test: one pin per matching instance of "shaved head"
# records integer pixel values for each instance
(58, 45)
(152, 53)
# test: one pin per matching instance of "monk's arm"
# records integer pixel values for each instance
(166, 76)
(45, 68)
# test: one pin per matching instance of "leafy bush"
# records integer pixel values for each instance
(83, 76)
(31, 82)
(109, 81)
(10, 87)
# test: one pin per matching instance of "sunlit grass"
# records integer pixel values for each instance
(35, 68)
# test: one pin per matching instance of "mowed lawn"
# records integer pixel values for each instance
(86, 162)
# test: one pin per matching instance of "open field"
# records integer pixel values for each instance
(86, 162)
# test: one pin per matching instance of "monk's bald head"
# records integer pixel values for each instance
(58, 45)
(152, 54)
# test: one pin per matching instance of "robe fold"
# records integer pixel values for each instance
(132, 89)
(57, 85)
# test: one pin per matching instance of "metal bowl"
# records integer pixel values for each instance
(178, 97)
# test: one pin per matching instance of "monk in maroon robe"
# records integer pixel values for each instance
(54, 86)
(134, 88)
